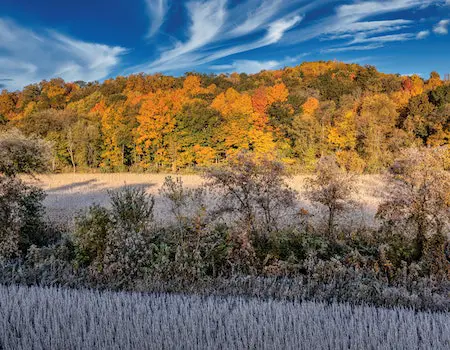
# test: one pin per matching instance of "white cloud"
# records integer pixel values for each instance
(274, 34)
(264, 11)
(383, 38)
(372, 8)
(211, 30)
(353, 48)
(350, 20)
(27, 56)
(255, 66)
(246, 66)
(441, 27)
(373, 27)
(157, 11)
(207, 18)
(423, 34)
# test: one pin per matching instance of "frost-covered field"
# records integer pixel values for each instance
(69, 193)
(38, 318)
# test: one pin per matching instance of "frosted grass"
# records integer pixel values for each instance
(51, 318)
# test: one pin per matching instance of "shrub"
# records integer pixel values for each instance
(21, 213)
(116, 240)
(131, 208)
(90, 234)
(332, 187)
(22, 154)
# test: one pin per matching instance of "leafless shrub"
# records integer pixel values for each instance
(332, 187)
(187, 205)
(418, 202)
(254, 191)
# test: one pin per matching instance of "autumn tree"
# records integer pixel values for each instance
(156, 120)
(375, 125)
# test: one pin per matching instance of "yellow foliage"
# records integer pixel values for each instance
(417, 85)
(343, 134)
(191, 85)
(401, 98)
(204, 156)
(350, 161)
(233, 103)
(262, 143)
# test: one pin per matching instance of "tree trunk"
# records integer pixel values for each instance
(331, 222)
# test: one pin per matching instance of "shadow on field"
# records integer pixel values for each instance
(62, 203)
(71, 186)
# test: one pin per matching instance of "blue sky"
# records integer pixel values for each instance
(96, 39)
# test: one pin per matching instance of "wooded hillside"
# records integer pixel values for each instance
(298, 114)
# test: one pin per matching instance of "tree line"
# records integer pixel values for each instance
(296, 115)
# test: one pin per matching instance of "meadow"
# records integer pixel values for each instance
(54, 318)
(70, 193)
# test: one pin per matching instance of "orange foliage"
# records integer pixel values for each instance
(314, 69)
(260, 100)
(277, 93)
(310, 106)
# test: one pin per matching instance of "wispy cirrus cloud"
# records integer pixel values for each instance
(212, 31)
(352, 48)
(247, 66)
(28, 56)
(207, 19)
(157, 12)
(255, 14)
(353, 23)
(255, 66)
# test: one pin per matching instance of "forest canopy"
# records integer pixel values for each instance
(296, 115)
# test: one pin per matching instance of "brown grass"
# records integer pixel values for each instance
(69, 193)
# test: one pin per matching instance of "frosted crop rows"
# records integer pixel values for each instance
(42, 318)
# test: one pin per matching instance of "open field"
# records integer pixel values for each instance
(49, 318)
(69, 193)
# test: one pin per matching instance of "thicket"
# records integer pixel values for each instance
(253, 239)
(297, 115)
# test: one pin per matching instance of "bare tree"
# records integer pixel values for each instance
(253, 190)
(331, 187)
(419, 195)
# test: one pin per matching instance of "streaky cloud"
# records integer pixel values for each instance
(29, 56)
(157, 12)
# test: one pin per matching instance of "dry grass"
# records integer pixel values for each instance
(69, 193)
